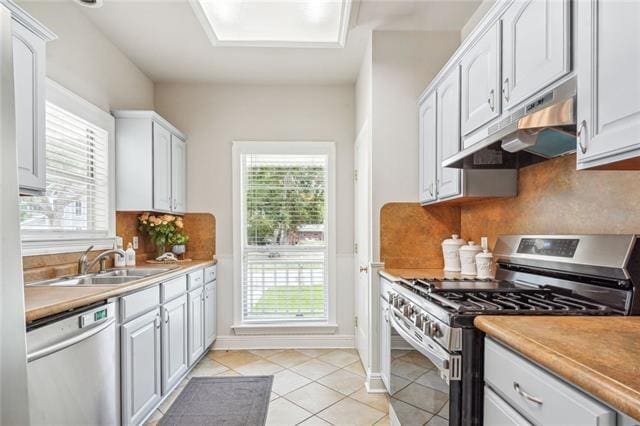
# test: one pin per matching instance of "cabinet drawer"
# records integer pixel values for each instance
(138, 303)
(174, 288)
(498, 412)
(541, 397)
(195, 279)
(210, 274)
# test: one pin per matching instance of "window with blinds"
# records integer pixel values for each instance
(76, 200)
(284, 249)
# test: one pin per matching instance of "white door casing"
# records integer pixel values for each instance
(362, 227)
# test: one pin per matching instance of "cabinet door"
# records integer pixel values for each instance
(161, 168)
(428, 161)
(608, 68)
(536, 37)
(448, 133)
(209, 314)
(385, 345)
(174, 342)
(141, 387)
(178, 174)
(481, 81)
(196, 324)
(29, 85)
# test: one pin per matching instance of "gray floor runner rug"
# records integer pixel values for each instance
(225, 401)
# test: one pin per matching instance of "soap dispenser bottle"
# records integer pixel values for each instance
(130, 256)
(119, 260)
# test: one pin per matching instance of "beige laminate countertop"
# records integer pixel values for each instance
(600, 355)
(43, 301)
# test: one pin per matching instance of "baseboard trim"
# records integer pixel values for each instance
(374, 383)
(285, 342)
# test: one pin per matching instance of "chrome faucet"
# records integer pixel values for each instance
(84, 266)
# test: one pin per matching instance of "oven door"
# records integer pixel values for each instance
(423, 376)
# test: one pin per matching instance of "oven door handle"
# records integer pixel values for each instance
(441, 361)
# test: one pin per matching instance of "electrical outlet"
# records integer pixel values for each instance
(135, 243)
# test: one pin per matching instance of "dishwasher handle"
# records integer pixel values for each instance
(51, 349)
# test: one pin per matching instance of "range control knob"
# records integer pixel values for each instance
(398, 302)
(434, 330)
(407, 310)
(418, 321)
(426, 325)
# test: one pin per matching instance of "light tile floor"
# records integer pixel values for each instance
(310, 387)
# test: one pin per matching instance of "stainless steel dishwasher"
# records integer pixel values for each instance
(72, 368)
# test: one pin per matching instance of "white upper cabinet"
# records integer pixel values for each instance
(608, 68)
(535, 47)
(162, 171)
(178, 174)
(428, 162)
(480, 67)
(448, 133)
(29, 74)
(151, 163)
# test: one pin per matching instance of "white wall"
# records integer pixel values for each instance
(403, 64)
(215, 115)
(84, 61)
(482, 10)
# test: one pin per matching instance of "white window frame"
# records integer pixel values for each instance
(283, 147)
(57, 242)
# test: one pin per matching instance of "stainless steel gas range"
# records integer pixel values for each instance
(536, 275)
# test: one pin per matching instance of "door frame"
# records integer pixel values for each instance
(362, 146)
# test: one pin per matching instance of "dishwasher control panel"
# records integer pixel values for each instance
(94, 316)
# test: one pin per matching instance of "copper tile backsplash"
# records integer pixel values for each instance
(410, 235)
(555, 198)
(201, 228)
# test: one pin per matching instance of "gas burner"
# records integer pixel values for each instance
(540, 301)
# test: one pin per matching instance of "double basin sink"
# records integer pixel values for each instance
(110, 277)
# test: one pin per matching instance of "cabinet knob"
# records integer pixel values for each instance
(491, 100)
(505, 89)
(364, 269)
(581, 127)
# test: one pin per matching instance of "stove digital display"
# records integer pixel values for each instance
(549, 246)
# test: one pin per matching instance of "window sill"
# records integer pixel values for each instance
(284, 329)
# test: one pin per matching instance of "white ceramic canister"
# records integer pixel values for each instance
(484, 264)
(468, 258)
(450, 249)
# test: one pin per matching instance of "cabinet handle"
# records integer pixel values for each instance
(491, 100)
(166, 316)
(534, 399)
(157, 321)
(505, 89)
(581, 127)
(431, 189)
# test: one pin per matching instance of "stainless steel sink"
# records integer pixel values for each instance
(89, 280)
(133, 272)
(108, 278)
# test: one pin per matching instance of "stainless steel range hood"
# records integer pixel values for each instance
(543, 128)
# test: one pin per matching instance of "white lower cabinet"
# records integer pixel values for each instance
(140, 367)
(209, 313)
(174, 342)
(535, 394)
(196, 324)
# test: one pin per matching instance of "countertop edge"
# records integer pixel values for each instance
(615, 394)
(109, 292)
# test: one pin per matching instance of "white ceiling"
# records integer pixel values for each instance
(165, 40)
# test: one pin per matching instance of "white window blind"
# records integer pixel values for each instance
(76, 200)
(284, 256)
